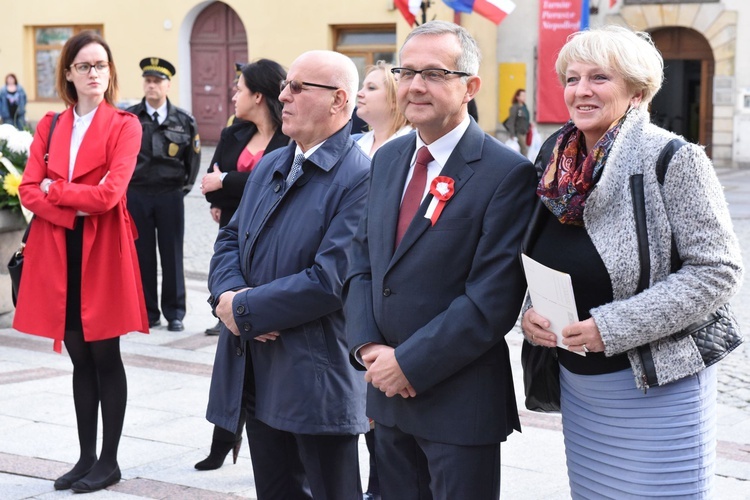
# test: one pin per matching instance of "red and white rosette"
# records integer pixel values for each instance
(442, 191)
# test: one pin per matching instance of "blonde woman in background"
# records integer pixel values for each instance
(376, 105)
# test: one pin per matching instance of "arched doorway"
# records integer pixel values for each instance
(684, 104)
(217, 41)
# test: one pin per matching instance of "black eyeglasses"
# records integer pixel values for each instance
(296, 86)
(85, 68)
(431, 75)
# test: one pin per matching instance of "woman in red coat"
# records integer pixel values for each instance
(81, 283)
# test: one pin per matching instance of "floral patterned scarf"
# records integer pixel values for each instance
(571, 173)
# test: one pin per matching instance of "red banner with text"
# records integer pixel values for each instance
(557, 20)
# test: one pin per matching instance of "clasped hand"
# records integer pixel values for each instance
(47, 182)
(384, 372)
(225, 312)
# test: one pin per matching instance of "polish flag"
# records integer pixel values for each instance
(409, 9)
(494, 10)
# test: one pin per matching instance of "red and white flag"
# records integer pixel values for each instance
(494, 10)
(409, 9)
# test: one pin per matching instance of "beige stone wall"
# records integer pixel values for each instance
(718, 25)
(278, 30)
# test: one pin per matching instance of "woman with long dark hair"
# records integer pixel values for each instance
(256, 131)
(81, 282)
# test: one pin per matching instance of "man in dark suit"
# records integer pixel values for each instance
(275, 281)
(436, 282)
(166, 170)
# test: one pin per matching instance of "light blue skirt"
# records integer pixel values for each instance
(622, 443)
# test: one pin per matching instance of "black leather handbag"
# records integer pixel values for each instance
(15, 264)
(541, 378)
(541, 369)
(718, 333)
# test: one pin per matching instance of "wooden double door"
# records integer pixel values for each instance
(684, 104)
(217, 42)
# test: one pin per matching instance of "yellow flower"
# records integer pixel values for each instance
(11, 183)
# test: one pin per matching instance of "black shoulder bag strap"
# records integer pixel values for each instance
(639, 209)
(49, 137)
(46, 160)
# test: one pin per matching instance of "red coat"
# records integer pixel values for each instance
(112, 301)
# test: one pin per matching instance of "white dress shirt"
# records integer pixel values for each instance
(368, 139)
(440, 150)
(80, 126)
(162, 110)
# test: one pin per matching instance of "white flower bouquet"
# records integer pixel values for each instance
(14, 152)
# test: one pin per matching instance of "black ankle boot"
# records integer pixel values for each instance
(219, 451)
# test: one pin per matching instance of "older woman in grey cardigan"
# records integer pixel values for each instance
(623, 440)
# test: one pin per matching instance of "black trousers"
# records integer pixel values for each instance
(160, 218)
(412, 468)
(289, 466)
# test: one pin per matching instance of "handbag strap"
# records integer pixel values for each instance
(46, 160)
(639, 207)
(49, 137)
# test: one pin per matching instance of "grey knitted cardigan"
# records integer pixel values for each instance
(690, 205)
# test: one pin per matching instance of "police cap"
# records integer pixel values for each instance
(155, 66)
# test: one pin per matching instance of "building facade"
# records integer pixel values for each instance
(706, 96)
(706, 93)
(204, 39)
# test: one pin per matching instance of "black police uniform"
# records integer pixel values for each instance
(167, 167)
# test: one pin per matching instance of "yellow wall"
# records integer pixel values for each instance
(511, 77)
(280, 30)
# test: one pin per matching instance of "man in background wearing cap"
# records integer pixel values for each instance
(166, 170)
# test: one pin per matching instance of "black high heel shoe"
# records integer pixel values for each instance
(219, 452)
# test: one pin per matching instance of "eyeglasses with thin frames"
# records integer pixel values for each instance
(84, 68)
(429, 75)
(297, 86)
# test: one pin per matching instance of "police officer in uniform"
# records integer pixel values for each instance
(167, 166)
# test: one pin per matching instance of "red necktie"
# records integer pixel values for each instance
(414, 193)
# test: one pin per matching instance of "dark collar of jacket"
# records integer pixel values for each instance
(243, 131)
(325, 157)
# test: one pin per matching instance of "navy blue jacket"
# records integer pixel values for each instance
(291, 246)
(446, 297)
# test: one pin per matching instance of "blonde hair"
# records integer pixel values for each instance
(398, 120)
(630, 54)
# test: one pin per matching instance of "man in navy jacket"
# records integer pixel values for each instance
(427, 315)
(275, 282)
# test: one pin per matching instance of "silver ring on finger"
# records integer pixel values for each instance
(585, 349)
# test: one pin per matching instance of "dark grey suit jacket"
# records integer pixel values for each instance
(448, 295)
